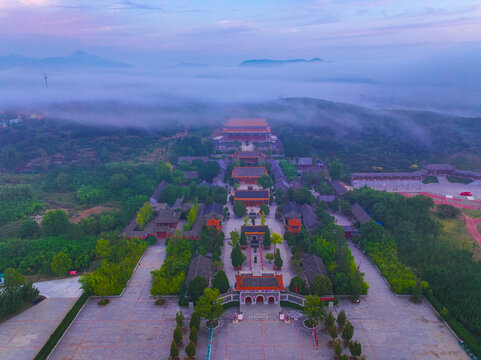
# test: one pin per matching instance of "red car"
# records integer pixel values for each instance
(466, 193)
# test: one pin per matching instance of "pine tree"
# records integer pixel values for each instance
(278, 262)
(221, 282)
(194, 335)
(237, 257)
(190, 349)
(267, 238)
(174, 350)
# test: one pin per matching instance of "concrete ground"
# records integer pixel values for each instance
(388, 327)
(22, 336)
(62, 288)
(130, 327)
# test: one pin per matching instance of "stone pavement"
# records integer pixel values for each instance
(130, 327)
(22, 336)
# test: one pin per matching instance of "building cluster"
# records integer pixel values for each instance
(409, 180)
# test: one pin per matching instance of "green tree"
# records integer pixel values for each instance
(234, 235)
(102, 248)
(221, 282)
(345, 208)
(304, 196)
(89, 225)
(174, 350)
(335, 169)
(194, 334)
(356, 349)
(209, 305)
(29, 229)
(265, 181)
(329, 320)
(356, 285)
(246, 220)
(263, 218)
(195, 321)
(347, 332)
(106, 222)
(178, 335)
(337, 347)
(265, 209)
(278, 262)
(341, 318)
(298, 285)
(321, 285)
(190, 350)
(335, 204)
(237, 257)
(243, 239)
(313, 309)
(276, 239)
(61, 264)
(333, 331)
(118, 182)
(144, 215)
(55, 223)
(13, 280)
(239, 209)
(196, 287)
(267, 238)
(179, 318)
(170, 194)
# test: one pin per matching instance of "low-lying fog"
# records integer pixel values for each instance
(449, 83)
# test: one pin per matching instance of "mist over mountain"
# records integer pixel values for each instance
(270, 62)
(78, 59)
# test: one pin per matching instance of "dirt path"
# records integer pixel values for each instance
(87, 212)
(471, 224)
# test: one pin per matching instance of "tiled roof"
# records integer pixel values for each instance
(338, 187)
(254, 228)
(259, 282)
(200, 265)
(313, 266)
(359, 214)
(249, 171)
(251, 194)
(249, 122)
(167, 216)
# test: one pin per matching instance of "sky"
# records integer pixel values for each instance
(221, 32)
(413, 54)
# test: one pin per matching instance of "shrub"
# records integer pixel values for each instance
(190, 349)
(195, 320)
(196, 287)
(178, 335)
(221, 282)
(194, 334)
(298, 285)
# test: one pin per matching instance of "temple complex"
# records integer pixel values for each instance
(246, 130)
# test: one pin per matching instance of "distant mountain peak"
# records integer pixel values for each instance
(271, 62)
(77, 59)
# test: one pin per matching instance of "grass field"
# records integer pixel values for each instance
(454, 179)
(431, 180)
(474, 213)
(456, 230)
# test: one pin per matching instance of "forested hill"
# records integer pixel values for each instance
(363, 139)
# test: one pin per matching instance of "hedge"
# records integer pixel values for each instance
(230, 304)
(455, 325)
(291, 305)
(61, 328)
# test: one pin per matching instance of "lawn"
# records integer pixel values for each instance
(431, 180)
(474, 213)
(456, 230)
(454, 179)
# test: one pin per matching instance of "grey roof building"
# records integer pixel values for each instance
(309, 218)
(338, 188)
(291, 210)
(326, 198)
(158, 190)
(214, 209)
(313, 266)
(359, 214)
(200, 265)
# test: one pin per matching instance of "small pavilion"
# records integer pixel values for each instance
(294, 225)
(214, 224)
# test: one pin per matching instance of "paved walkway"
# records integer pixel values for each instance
(392, 327)
(23, 336)
(130, 327)
(61, 288)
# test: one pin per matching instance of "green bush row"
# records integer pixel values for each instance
(455, 325)
(61, 328)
